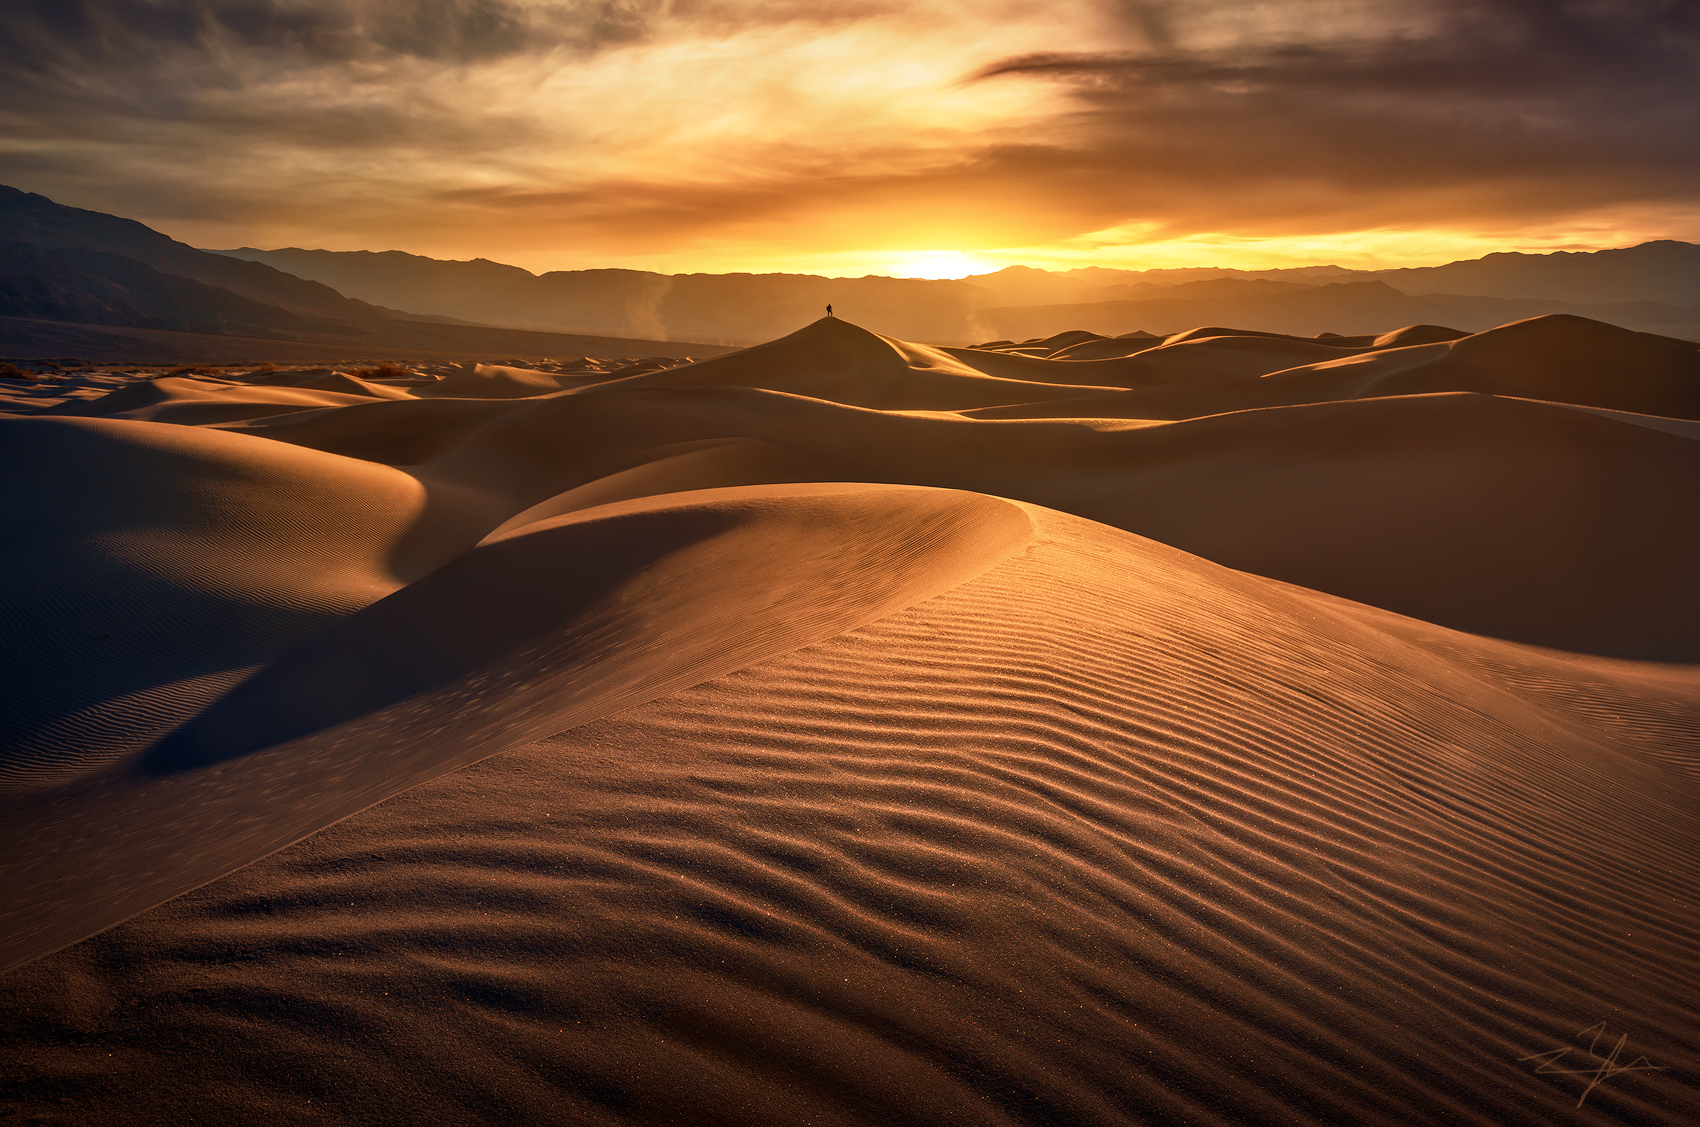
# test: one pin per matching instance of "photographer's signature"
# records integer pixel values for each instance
(1608, 1067)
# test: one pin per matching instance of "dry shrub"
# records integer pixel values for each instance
(13, 372)
(388, 370)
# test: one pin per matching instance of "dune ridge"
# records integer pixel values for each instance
(1221, 728)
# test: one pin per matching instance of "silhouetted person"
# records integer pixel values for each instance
(829, 311)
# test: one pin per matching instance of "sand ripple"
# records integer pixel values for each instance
(1108, 835)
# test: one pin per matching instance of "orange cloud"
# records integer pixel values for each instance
(744, 134)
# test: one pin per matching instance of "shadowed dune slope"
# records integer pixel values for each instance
(554, 624)
(401, 433)
(1107, 835)
(149, 564)
(711, 464)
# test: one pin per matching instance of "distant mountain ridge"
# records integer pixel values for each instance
(722, 308)
(28, 221)
(71, 267)
(1652, 287)
(1665, 271)
(67, 264)
(98, 287)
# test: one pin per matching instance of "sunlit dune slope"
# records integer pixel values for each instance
(202, 399)
(1475, 510)
(1565, 359)
(1182, 361)
(492, 381)
(1522, 519)
(833, 359)
(1225, 729)
(1107, 835)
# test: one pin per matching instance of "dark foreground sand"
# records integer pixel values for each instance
(1238, 730)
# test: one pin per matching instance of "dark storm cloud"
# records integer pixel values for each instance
(1494, 105)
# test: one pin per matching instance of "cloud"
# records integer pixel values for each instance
(1492, 106)
(45, 33)
(558, 133)
(253, 106)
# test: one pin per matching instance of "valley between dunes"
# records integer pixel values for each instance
(1227, 728)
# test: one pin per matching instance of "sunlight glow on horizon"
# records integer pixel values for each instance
(938, 265)
(1122, 249)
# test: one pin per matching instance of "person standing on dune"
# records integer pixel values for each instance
(829, 310)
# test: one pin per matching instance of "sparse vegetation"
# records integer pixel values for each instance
(195, 370)
(388, 370)
(13, 372)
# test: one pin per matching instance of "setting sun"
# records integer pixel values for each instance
(938, 264)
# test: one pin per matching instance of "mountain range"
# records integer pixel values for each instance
(1652, 287)
(65, 269)
(61, 265)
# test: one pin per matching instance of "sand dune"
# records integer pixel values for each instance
(835, 360)
(1231, 728)
(1565, 359)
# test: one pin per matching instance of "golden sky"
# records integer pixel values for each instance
(919, 137)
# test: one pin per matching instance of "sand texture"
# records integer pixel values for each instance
(1221, 729)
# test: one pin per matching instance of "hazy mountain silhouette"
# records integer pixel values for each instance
(1652, 287)
(1664, 271)
(66, 264)
(732, 308)
(27, 220)
(64, 269)
(97, 287)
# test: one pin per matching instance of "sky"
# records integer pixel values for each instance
(927, 138)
